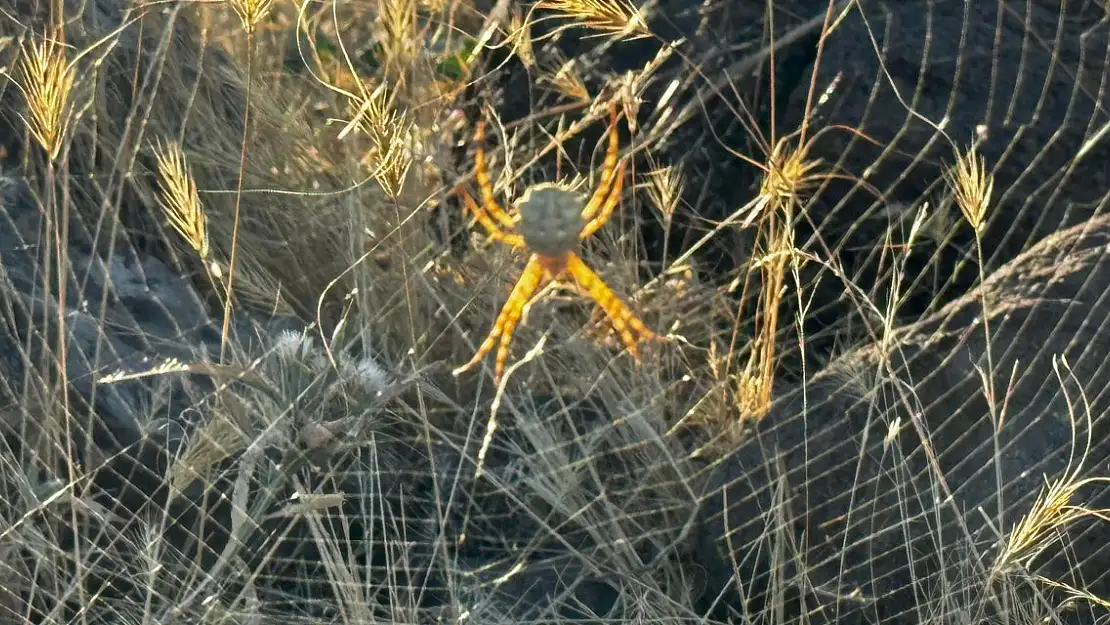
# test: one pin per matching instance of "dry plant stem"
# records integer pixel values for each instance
(757, 380)
(992, 399)
(61, 236)
(787, 173)
(972, 185)
(238, 195)
(408, 291)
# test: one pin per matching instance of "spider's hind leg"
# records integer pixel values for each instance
(530, 280)
(628, 326)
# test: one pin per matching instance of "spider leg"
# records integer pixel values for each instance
(606, 211)
(484, 185)
(624, 321)
(607, 170)
(494, 230)
(530, 279)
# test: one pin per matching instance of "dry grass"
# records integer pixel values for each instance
(1042, 530)
(390, 157)
(251, 13)
(327, 188)
(787, 175)
(565, 78)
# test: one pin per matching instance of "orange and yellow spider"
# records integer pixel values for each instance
(550, 221)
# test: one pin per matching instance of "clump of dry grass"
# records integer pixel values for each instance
(1042, 529)
(786, 177)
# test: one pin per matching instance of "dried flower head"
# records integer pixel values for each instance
(389, 131)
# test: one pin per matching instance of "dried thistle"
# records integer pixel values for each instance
(251, 12)
(971, 186)
(47, 86)
(179, 198)
(619, 19)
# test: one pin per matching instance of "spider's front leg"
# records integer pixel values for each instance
(495, 231)
(630, 327)
(608, 171)
(485, 185)
(606, 211)
(530, 279)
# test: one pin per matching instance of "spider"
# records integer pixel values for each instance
(550, 221)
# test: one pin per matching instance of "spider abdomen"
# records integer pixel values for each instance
(550, 219)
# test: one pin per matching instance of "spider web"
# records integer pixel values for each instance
(893, 471)
(882, 487)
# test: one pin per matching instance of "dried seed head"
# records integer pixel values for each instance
(47, 87)
(564, 77)
(972, 185)
(251, 12)
(665, 187)
(619, 19)
(390, 133)
(179, 197)
(520, 33)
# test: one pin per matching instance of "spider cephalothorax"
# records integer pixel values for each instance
(550, 222)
